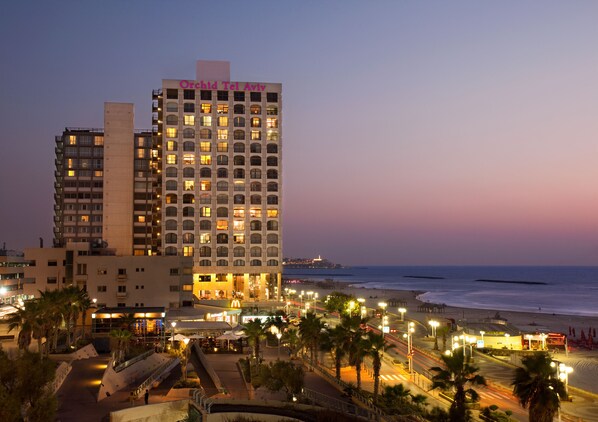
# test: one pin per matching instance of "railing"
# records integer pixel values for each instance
(338, 405)
(134, 360)
(165, 367)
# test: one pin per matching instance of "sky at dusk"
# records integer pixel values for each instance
(415, 132)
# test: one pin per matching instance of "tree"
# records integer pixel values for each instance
(338, 302)
(337, 343)
(538, 388)
(121, 340)
(282, 375)
(25, 387)
(293, 341)
(456, 375)
(255, 332)
(375, 347)
(310, 330)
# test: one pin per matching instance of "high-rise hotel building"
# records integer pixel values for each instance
(205, 182)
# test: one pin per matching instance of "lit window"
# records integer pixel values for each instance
(84, 218)
(256, 135)
(70, 173)
(71, 163)
(171, 145)
(272, 213)
(256, 122)
(272, 135)
(205, 185)
(255, 212)
(72, 140)
(205, 146)
(187, 251)
(255, 109)
(222, 108)
(223, 121)
(141, 218)
(171, 159)
(206, 108)
(206, 120)
(189, 184)
(98, 173)
(272, 110)
(98, 141)
(205, 238)
(205, 212)
(239, 212)
(222, 133)
(190, 119)
(188, 159)
(205, 159)
(238, 225)
(271, 122)
(171, 132)
(222, 146)
(239, 238)
(222, 225)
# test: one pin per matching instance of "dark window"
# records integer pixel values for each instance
(189, 94)
(239, 109)
(272, 97)
(272, 148)
(222, 95)
(239, 96)
(206, 95)
(222, 160)
(189, 107)
(172, 94)
(255, 96)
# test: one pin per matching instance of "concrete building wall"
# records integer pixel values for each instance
(118, 177)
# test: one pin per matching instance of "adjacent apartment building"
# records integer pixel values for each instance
(204, 184)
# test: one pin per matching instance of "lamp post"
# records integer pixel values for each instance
(434, 324)
(316, 303)
(173, 324)
(402, 312)
(186, 357)
(362, 308)
(408, 335)
(384, 318)
(529, 341)
(278, 336)
(482, 334)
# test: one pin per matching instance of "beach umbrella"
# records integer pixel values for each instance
(569, 330)
(177, 337)
(582, 336)
(574, 332)
(594, 333)
(197, 336)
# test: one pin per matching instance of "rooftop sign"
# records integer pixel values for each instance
(224, 85)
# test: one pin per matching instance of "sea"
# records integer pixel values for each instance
(565, 290)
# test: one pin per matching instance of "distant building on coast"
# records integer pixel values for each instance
(318, 262)
(198, 195)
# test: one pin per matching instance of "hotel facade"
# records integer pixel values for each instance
(204, 184)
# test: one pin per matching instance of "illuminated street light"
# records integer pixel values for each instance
(278, 336)
(173, 324)
(402, 312)
(434, 324)
(482, 334)
(383, 318)
(408, 335)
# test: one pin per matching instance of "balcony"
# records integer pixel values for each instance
(121, 295)
(122, 277)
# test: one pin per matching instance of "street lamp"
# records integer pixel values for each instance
(402, 312)
(408, 335)
(482, 333)
(384, 318)
(186, 357)
(278, 336)
(316, 303)
(434, 324)
(362, 308)
(173, 324)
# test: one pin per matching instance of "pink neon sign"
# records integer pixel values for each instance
(224, 85)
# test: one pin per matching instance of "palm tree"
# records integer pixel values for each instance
(538, 388)
(419, 400)
(337, 343)
(354, 328)
(255, 332)
(310, 329)
(293, 341)
(455, 376)
(121, 338)
(375, 348)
